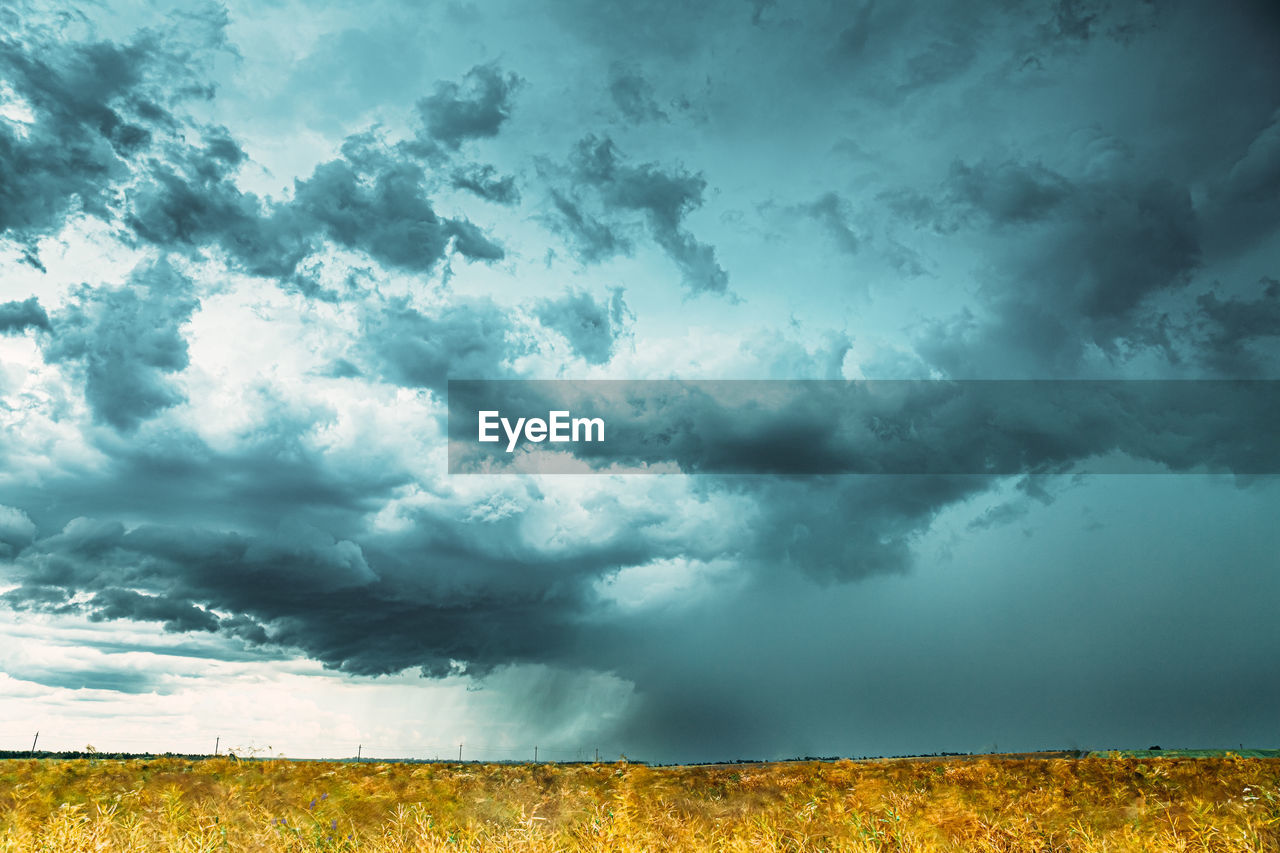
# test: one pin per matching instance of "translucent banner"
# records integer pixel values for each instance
(899, 427)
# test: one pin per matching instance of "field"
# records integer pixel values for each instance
(1109, 803)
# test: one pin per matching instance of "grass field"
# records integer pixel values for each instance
(1110, 803)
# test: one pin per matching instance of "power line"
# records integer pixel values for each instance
(248, 746)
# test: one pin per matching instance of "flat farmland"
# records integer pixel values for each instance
(992, 803)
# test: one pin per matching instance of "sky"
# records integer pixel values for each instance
(244, 248)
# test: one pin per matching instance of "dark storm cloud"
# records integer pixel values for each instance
(187, 206)
(1245, 206)
(445, 590)
(1033, 487)
(175, 616)
(943, 59)
(832, 212)
(16, 317)
(881, 517)
(484, 181)
(476, 109)
(103, 140)
(118, 680)
(452, 586)
(1096, 248)
(1232, 324)
(188, 199)
(372, 199)
(887, 50)
(472, 243)
(1000, 514)
(1074, 19)
(176, 478)
(113, 563)
(591, 327)
(101, 115)
(865, 670)
(1009, 192)
(592, 239)
(1078, 266)
(376, 200)
(633, 95)
(1091, 262)
(664, 29)
(343, 369)
(895, 52)
(474, 339)
(663, 197)
(96, 108)
(853, 37)
(215, 650)
(16, 531)
(459, 582)
(270, 521)
(955, 440)
(918, 209)
(126, 341)
(392, 220)
(84, 101)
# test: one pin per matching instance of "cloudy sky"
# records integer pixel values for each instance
(244, 248)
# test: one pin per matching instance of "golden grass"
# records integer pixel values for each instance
(988, 804)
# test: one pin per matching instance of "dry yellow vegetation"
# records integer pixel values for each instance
(986, 804)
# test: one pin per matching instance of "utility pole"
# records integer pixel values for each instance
(359, 747)
(33, 744)
(217, 740)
